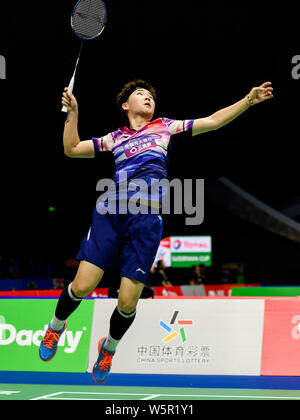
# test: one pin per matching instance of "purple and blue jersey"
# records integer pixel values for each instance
(142, 154)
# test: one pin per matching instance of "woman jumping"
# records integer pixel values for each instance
(140, 152)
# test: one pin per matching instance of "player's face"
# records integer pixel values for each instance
(141, 102)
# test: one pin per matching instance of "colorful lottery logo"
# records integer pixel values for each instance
(177, 244)
(174, 334)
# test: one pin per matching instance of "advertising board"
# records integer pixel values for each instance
(281, 342)
(23, 323)
(185, 251)
(205, 337)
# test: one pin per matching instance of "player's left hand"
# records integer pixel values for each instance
(261, 93)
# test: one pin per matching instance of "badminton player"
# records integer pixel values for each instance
(140, 151)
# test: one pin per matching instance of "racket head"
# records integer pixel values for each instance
(88, 19)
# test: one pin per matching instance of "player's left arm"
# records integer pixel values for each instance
(226, 115)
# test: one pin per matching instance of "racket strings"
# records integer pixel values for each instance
(88, 19)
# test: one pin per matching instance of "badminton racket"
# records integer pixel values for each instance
(88, 21)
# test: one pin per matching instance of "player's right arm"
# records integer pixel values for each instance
(73, 147)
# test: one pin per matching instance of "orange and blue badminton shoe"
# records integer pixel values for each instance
(102, 366)
(48, 346)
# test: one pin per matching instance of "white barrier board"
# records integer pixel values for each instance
(178, 336)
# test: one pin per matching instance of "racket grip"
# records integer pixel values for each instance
(64, 109)
(70, 90)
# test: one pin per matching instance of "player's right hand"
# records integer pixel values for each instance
(69, 100)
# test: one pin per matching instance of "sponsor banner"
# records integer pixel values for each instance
(267, 291)
(226, 289)
(184, 259)
(185, 251)
(184, 290)
(197, 290)
(167, 291)
(281, 341)
(191, 244)
(31, 293)
(99, 293)
(49, 293)
(23, 323)
(198, 337)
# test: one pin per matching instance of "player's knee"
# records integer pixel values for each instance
(80, 290)
(127, 306)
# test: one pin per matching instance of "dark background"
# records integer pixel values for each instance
(200, 57)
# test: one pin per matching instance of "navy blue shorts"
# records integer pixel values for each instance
(133, 239)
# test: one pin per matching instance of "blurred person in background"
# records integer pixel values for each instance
(198, 275)
(161, 276)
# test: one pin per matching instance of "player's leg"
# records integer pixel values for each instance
(87, 278)
(141, 234)
(124, 314)
(121, 319)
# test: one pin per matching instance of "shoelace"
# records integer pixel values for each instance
(106, 361)
(50, 338)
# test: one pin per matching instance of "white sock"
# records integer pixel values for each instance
(111, 344)
(56, 324)
(71, 294)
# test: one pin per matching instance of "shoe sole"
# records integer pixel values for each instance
(99, 348)
(49, 360)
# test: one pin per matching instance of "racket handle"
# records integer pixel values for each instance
(70, 90)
